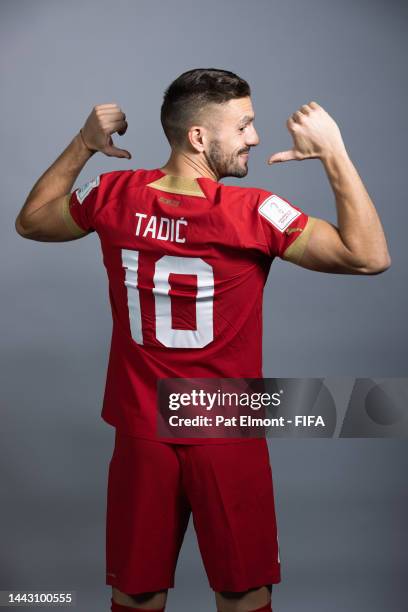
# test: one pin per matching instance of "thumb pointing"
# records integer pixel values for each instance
(282, 156)
(112, 151)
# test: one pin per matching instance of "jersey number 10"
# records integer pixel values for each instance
(165, 333)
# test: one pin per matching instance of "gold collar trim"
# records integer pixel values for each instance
(178, 184)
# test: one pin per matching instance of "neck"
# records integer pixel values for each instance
(188, 166)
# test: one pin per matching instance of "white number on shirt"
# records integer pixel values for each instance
(165, 333)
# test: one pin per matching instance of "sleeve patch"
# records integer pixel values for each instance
(83, 191)
(278, 212)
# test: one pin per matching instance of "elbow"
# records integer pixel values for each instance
(21, 229)
(377, 265)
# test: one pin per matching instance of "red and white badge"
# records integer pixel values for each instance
(278, 212)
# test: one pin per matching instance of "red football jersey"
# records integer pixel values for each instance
(187, 260)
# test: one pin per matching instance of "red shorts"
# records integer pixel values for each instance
(153, 487)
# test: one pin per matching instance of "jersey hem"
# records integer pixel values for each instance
(195, 441)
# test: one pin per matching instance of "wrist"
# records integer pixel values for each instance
(330, 156)
(84, 143)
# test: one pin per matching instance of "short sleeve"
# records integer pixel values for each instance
(286, 227)
(84, 204)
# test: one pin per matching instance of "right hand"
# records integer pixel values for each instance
(315, 134)
(105, 120)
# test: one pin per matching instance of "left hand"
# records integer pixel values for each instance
(105, 120)
(314, 133)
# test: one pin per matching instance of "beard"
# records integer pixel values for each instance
(225, 164)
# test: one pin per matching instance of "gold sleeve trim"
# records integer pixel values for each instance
(69, 221)
(295, 250)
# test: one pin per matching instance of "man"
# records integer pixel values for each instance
(187, 258)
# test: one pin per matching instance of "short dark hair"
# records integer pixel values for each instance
(188, 95)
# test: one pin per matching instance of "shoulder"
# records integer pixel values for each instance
(260, 199)
(111, 184)
(247, 199)
(252, 194)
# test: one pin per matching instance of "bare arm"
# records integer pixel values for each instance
(42, 215)
(357, 245)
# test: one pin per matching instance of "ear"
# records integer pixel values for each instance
(198, 137)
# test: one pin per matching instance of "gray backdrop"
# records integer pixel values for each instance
(341, 504)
